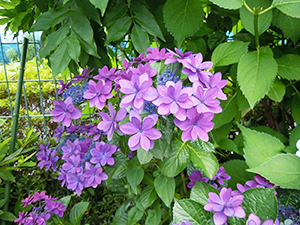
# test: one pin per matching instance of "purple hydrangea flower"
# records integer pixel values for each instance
(85, 75)
(255, 220)
(215, 81)
(71, 148)
(94, 175)
(65, 111)
(21, 219)
(75, 181)
(98, 93)
(194, 67)
(102, 153)
(144, 133)
(174, 99)
(259, 181)
(225, 206)
(221, 175)
(105, 74)
(183, 223)
(196, 176)
(47, 157)
(63, 87)
(195, 126)
(153, 54)
(180, 56)
(110, 123)
(96, 132)
(62, 176)
(136, 91)
(144, 69)
(55, 207)
(58, 132)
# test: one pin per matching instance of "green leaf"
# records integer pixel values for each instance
(288, 67)
(73, 47)
(296, 109)
(102, 4)
(51, 18)
(121, 216)
(153, 218)
(282, 170)
(192, 211)
(8, 216)
(89, 10)
(200, 192)
(146, 20)
(77, 212)
(260, 201)
(28, 164)
(289, 7)
(148, 196)
(228, 145)
(277, 90)
(294, 137)
(115, 13)
(55, 39)
(229, 53)
(60, 58)
(134, 174)
(239, 175)
(264, 20)
(228, 4)
(230, 108)
(221, 132)
(183, 18)
(255, 75)
(118, 29)
(140, 38)
(134, 215)
(178, 161)
(144, 156)
(204, 160)
(259, 147)
(2, 202)
(165, 188)
(6, 175)
(272, 132)
(288, 25)
(196, 45)
(65, 200)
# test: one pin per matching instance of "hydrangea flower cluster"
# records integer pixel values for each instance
(255, 220)
(76, 92)
(288, 212)
(43, 207)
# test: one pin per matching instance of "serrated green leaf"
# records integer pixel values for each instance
(229, 108)
(256, 73)
(77, 212)
(239, 175)
(140, 38)
(288, 66)
(183, 18)
(259, 147)
(229, 53)
(165, 188)
(264, 20)
(148, 196)
(192, 211)
(118, 29)
(200, 192)
(178, 161)
(144, 156)
(51, 18)
(102, 4)
(296, 109)
(204, 160)
(73, 47)
(277, 91)
(282, 170)
(272, 132)
(146, 20)
(60, 58)
(228, 4)
(288, 25)
(134, 215)
(289, 7)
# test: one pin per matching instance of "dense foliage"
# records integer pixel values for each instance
(255, 46)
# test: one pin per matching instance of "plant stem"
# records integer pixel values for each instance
(247, 7)
(184, 184)
(256, 14)
(267, 9)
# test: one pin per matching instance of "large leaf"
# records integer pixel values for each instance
(146, 20)
(239, 175)
(229, 52)
(203, 159)
(140, 38)
(153, 218)
(134, 174)
(183, 18)
(51, 18)
(282, 170)
(192, 211)
(200, 192)
(255, 75)
(165, 188)
(6, 175)
(288, 25)
(228, 4)
(73, 47)
(229, 108)
(102, 4)
(289, 67)
(179, 161)
(77, 212)
(289, 7)
(118, 29)
(60, 58)
(259, 147)
(264, 20)
(134, 215)
(144, 156)
(277, 90)
(148, 196)
(7, 216)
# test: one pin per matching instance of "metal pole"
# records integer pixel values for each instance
(15, 118)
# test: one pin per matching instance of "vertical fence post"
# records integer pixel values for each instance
(15, 117)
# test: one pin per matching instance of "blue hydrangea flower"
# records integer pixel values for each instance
(150, 107)
(167, 76)
(76, 93)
